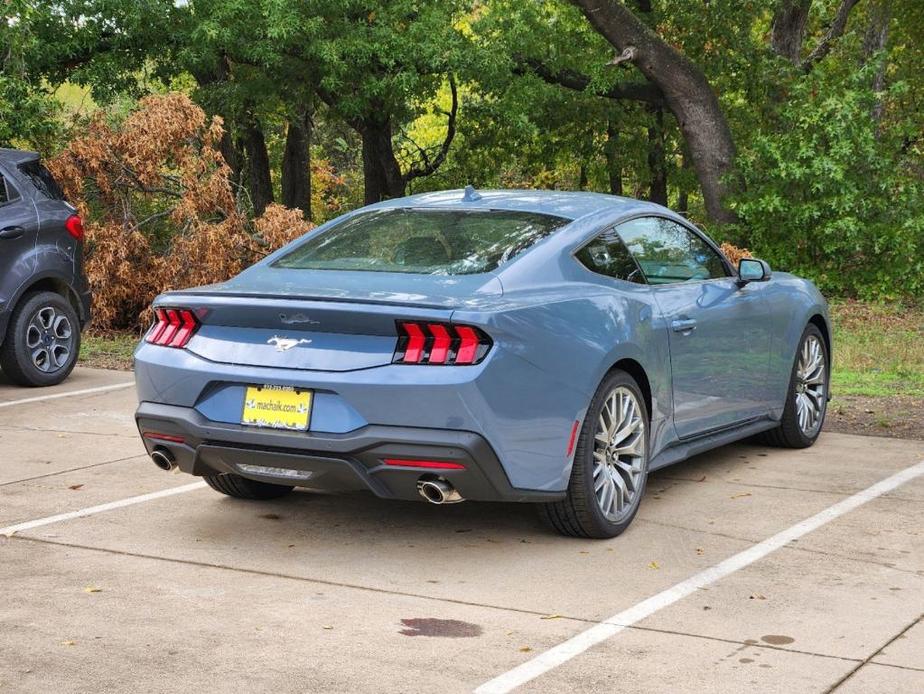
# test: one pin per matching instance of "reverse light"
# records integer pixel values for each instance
(173, 327)
(74, 226)
(424, 464)
(440, 344)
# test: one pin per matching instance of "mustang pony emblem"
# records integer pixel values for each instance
(284, 343)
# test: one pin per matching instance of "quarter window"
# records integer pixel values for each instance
(668, 253)
(608, 255)
(7, 192)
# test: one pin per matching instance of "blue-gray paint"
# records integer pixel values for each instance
(557, 329)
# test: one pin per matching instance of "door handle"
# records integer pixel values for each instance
(11, 232)
(685, 326)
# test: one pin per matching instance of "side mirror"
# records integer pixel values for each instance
(752, 270)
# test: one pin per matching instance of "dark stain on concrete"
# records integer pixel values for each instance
(776, 640)
(445, 628)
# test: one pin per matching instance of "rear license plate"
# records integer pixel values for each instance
(277, 407)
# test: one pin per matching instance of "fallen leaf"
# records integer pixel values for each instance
(758, 596)
(92, 589)
(551, 616)
(700, 551)
(742, 494)
(327, 626)
(68, 643)
(75, 487)
(525, 649)
(654, 565)
(583, 552)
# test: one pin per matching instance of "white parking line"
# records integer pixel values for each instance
(55, 396)
(28, 525)
(598, 633)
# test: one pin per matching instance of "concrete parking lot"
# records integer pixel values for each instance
(192, 590)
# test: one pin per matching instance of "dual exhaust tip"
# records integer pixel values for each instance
(438, 491)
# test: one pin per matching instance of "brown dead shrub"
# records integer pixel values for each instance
(160, 208)
(734, 254)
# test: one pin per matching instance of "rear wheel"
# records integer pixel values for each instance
(610, 464)
(243, 488)
(807, 398)
(42, 340)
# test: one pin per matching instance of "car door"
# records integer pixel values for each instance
(719, 332)
(18, 230)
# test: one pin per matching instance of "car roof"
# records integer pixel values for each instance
(570, 205)
(15, 157)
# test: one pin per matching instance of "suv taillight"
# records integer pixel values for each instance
(74, 226)
(172, 327)
(442, 344)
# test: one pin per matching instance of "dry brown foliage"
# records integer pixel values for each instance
(159, 207)
(734, 254)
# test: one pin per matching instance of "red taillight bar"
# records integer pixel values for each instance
(173, 327)
(427, 464)
(159, 436)
(440, 344)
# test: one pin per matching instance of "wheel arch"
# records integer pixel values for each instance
(47, 282)
(821, 323)
(637, 372)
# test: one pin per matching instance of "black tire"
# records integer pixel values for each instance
(789, 434)
(579, 514)
(16, 357)
(243, 488)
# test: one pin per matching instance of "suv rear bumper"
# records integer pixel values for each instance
(331, 462)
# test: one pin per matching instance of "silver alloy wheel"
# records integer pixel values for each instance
(811, 381)
(49, 339)
(619, 454)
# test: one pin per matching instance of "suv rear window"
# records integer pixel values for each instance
(43, 180)
(423, 241)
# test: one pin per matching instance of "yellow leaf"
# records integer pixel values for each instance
(742, 494)
(525, 649)
(654, 565)
(551, 616)
(92, 589)
(68, 643)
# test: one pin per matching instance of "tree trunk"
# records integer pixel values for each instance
(259, 182)
(875, 40)
(686, 91)
(657, 166)
(296, 165)
(613, 162)
(787, 33)
(382, 175)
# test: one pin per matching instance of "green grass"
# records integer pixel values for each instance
(878, 349)
(108, 351)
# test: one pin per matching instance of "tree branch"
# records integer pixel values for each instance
(572, 79)
(835, 31)
(430, 166)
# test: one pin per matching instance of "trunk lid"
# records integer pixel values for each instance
(318, 320)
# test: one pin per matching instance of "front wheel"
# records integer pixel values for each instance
(807, 397)
(610, 464)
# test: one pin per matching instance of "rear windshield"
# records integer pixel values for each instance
(423, 241)
(43, 180)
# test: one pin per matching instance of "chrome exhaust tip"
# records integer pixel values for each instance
(438, 491)
(163, 459)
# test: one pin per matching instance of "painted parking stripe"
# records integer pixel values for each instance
(55, 396)
(598, 633)
(112, 505)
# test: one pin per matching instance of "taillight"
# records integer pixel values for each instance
(424, 342)
(74, 226)
(172, 327)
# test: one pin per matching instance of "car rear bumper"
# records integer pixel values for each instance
(331, 462)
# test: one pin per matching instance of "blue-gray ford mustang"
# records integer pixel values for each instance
(530, 346)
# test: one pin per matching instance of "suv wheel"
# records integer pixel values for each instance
(42, 340)
(610, 464)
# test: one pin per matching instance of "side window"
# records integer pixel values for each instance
(668, 253)
(4, 196)
(608, 255)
